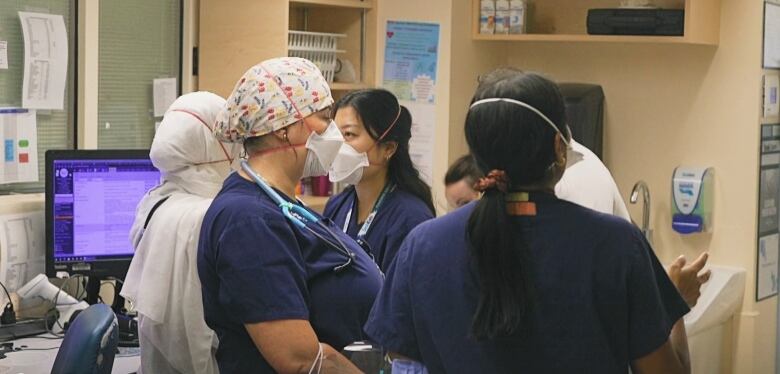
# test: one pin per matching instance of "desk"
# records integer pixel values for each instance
(40, 362)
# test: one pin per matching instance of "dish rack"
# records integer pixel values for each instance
(318, 47)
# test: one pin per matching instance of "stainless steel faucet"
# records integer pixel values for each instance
(641, 185)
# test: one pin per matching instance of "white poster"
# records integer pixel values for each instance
(767, 266)
(3, 54)
(19, 135)
(45, 60)
(164, 92)
(771, 104)
(22, 248)
(771, 36)
(422, 143)
(410, 67)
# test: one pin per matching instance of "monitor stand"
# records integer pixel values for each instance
(93, 289)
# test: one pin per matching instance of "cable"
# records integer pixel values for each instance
(56, 298)
(9, 315)
(32, 349)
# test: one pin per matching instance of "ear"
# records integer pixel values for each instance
(560, 150)
(283, 133)
(388, 150)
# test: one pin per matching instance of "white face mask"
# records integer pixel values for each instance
(348, 165)
(323, 149)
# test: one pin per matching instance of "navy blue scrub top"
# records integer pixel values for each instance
(396, 217)
(602, 297)
(256, 266)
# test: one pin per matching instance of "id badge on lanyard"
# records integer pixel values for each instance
(370, 219)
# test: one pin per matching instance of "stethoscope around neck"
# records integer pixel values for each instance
(299, 216)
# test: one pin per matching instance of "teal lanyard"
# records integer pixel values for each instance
(390, 187)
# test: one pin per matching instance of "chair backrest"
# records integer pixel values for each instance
(90, 343)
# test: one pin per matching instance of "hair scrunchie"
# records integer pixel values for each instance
(495, 179)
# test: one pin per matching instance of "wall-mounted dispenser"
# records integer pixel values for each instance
(692, 198)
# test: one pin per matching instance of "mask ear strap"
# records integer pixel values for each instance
(227, 155)
(387, 131)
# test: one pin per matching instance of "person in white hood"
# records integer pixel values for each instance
(162, 282)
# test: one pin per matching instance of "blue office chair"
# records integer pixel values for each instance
(90, 343)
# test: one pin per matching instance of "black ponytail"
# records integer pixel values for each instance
(503, 136)
(378, 110)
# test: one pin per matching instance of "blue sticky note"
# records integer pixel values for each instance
(9, 150)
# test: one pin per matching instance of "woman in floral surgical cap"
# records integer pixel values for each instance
(283, 289)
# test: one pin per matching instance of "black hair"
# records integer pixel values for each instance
(378, 109)
(505, 136)
(463, 168)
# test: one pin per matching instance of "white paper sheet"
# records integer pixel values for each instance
(164, 95)
(3, 54)
(772, 36)
(22, 248)
(767, 266)
(19, 145)
(45, 60)
(423, 141)
(771, 105)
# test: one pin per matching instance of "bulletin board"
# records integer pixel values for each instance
(55, 128)
(768, 231)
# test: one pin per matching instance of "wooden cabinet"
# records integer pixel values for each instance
(565, 21)
(237, 34)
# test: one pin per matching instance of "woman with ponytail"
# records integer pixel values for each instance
(521, 281)
(386, 198)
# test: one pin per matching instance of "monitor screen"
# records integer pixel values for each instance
(92, 200)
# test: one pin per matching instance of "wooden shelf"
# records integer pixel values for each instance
(565, 21)
(334, 3)
(584, 38)
(338, 86)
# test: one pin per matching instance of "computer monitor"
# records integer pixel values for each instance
(91, 196)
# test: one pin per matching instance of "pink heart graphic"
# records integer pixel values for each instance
(390, 34)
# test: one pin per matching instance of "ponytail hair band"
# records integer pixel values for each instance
(495, 179)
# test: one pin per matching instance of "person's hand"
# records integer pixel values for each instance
(687, 278)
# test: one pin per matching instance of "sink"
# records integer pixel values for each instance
(708, 324)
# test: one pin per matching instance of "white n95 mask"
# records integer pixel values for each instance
(348, 165)
(323, 149)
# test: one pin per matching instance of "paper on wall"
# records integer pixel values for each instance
(3, 54)
(411, 59)
(22, 248)
(165, 91)
(45, 60)
(19, 145)
(423, 140)
(771, 105)
(768, 233)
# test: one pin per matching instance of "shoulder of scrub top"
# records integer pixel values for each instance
(408, 210)
(335, 201)
(238, 207)
(612, 231)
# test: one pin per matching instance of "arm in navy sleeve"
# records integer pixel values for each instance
(261, 272)
(390, 323)
(654, 303)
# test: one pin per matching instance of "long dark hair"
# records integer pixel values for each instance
(505, 136)
(378, 109)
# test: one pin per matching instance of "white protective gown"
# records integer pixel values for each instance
(162, 282)
(589, 183)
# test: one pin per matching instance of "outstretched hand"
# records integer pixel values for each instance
(687, 278)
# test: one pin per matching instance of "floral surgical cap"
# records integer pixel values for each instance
(267, 95)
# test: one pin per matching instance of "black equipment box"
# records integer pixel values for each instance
(659, 22)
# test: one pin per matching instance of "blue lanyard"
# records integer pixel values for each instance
(390, 187)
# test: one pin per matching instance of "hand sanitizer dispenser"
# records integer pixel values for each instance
(692, 195)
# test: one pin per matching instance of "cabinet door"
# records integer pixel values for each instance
(235, 35)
